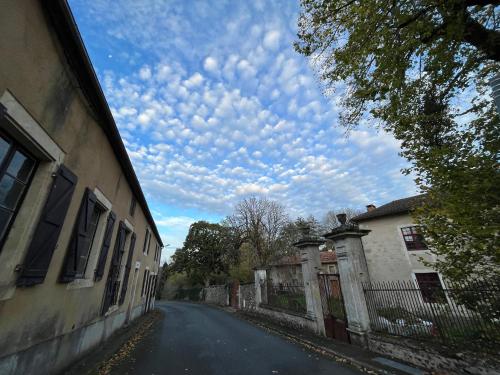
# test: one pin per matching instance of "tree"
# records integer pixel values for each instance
(202, 257)
(260, 221)
(164, 273)
(421, 68)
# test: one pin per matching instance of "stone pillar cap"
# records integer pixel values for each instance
(305, 242)
(346, 230)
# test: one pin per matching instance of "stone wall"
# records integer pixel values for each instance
(217, 295)
(287, 318)
(247, 296)
(433, 357)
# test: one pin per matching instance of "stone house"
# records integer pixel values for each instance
(394, 248)
(288, 270)
(79, 250)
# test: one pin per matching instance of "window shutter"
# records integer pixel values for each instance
(127, 269)
(46, 234)
(106, 244)
(112, 285)
(79, 243)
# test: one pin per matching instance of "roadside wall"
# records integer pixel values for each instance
(217, 295)
(286, 318)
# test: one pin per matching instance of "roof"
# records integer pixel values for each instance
(64, 25)
(396, 207)
(325, 257)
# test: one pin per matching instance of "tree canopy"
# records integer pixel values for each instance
(421, 70)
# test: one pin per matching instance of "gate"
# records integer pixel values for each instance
(333, 306)
(234, 296)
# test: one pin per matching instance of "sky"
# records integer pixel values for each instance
(214, 105)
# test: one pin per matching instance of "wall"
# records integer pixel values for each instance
(287, 318)
(34, 72)
(423, 355)
(217, 295)
(385, 251)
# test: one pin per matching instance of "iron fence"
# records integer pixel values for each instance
(287, 296)
(465, 315)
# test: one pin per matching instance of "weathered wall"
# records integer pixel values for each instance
(247, 296)
(217, 295)
(287, 318)
(423, 355)
(385, 251)
(34, 71)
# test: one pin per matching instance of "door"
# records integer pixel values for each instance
(333, 306)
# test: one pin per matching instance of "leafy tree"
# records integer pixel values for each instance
(164, 273)
(202, 257)
(421, 70)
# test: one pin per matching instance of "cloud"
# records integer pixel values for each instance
(214, 105)
(272, 40)
(210, 64)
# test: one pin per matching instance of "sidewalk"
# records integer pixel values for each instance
(360, 358)
(101, 359)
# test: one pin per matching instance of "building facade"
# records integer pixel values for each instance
(394, 249)
(79, 250)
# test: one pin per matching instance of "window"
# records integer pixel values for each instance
(94, 222)
(147, 240)
(16, 170)
(430, 287)
(413, 239)
(83, 238)
(132, 206)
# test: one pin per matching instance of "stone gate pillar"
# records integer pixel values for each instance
(353, 272)
(260, 276)
(311, 265)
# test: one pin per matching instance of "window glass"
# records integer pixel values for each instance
(10, 192)
(20, 166)
(4, 148)
(430, 287)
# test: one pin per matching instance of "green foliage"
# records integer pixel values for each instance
(242, 269)
(420, 69)
(203, 255)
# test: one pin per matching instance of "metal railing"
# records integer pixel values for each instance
(465, 315)
(287, 296)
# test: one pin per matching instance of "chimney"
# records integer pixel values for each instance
(370, 207)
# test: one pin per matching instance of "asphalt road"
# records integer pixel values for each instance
(198, 339)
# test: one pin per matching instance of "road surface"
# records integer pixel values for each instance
(198, 339)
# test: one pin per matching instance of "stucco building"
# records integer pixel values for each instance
(394, 249)
(79, 250)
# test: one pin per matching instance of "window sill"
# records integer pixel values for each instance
(111, 310)
(80, 283)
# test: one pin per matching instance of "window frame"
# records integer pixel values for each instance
(133, 204)
(14, 145)
(417, 238)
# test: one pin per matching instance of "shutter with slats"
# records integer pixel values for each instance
(112, 284)
(106, 244)
(126, 274)
(77, 254)
(46, 234)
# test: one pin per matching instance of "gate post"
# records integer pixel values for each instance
(311, 265)
(260, 286)
(353, 272)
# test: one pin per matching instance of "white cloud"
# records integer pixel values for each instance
(210, 64)
(272, 40)
(145, 73)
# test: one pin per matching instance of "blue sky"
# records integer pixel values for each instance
(214, 105)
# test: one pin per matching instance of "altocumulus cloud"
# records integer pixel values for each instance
(214, 105)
